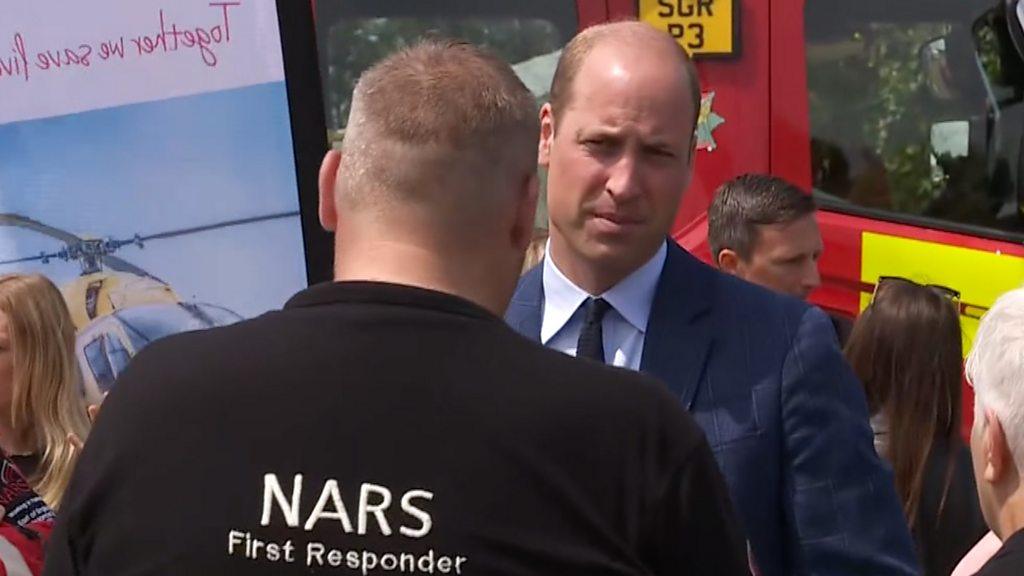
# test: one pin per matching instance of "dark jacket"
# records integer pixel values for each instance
(786, 418)
(944, 538)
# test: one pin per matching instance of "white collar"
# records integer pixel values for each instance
(631, 297)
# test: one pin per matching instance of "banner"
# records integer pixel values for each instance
(147, 166)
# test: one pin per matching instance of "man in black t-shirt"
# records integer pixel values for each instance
(390, 422)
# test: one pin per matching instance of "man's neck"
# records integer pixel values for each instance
(1011, 515)
(594, 279)
(423, 267)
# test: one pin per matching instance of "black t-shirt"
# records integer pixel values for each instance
(1009, 560)
(379, 429)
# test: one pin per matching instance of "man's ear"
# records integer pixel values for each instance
(328, 180)
(998, 457)
(547, 135)
(728, 261)
(526, 212)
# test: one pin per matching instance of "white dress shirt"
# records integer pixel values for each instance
(623, 327)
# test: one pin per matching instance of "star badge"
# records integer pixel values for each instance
(707, 121)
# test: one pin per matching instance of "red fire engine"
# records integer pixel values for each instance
(904, 118)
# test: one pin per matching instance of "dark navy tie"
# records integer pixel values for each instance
(591, 342)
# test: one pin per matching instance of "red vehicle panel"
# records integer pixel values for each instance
(769, 104)
(904, 119)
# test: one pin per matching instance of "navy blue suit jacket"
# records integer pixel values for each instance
(786, 418)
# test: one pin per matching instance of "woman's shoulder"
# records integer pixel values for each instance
(949, 497)
(949, 519)
(946, 452)
(949, 459)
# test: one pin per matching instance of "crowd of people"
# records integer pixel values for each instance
(424, 414)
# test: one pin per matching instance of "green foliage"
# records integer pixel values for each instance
(353, 45)
(869, 97)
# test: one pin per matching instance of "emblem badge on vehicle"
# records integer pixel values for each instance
(707, 122)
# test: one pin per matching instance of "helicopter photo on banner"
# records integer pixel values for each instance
(155, 186)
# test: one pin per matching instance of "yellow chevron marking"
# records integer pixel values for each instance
(980, 276)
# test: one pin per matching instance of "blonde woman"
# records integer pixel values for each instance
(40, 403)
(536, 249)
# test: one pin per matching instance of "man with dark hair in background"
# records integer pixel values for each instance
(763, 229)
(390, 422)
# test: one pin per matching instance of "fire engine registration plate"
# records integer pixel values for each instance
(702, 27)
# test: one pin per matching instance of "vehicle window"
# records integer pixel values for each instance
(916, 112)
(98, 358)
(352, 35)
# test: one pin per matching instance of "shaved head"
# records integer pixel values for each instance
(442, 126)
(435, 184)
(625, 33)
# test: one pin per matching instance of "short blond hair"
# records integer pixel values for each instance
(580, 47)
(47, 404)
(438, 122)
(536, 249)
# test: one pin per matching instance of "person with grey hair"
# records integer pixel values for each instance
(763, 229)
(995, 369)
(390, 422)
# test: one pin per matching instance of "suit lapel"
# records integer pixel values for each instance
(679, 335)
(525, 311)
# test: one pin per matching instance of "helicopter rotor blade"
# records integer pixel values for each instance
(113, 262)
(64, 236)
(30, 224)
(20, 221)
(119, 265)
(26, 259)
(218, 225)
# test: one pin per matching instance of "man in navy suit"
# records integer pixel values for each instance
(760, 372)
